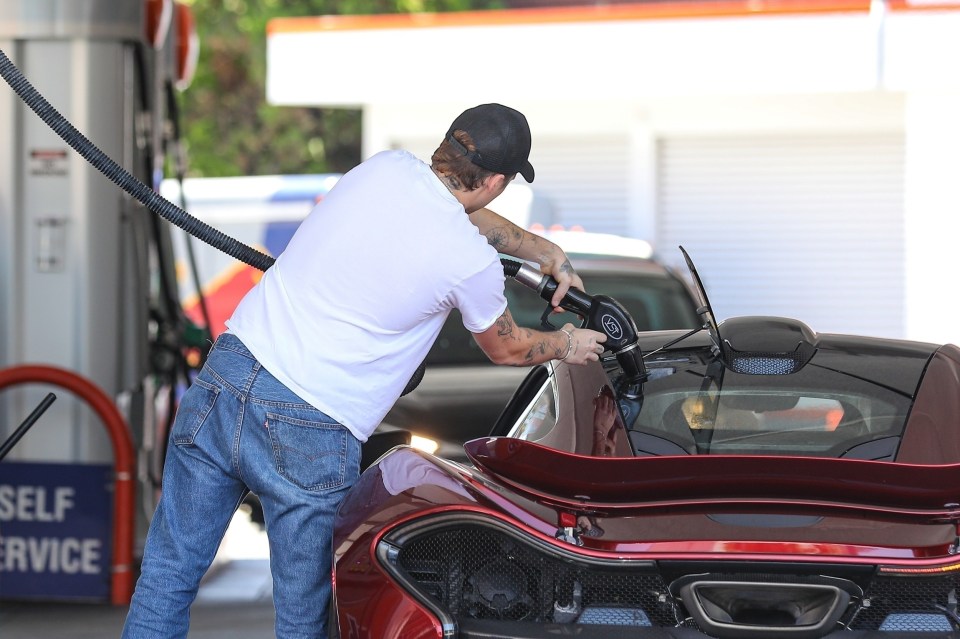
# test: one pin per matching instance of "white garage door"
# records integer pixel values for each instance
(582, 181)
(586, 180)
(808, 227)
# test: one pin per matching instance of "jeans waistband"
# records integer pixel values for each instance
(230, 342)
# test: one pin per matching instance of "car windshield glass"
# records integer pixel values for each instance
(655, 303)
(705, 409)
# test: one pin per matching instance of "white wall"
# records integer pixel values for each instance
(646, 80)
(616, 60)
(932, 213)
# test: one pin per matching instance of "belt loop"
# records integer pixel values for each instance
(254, 370)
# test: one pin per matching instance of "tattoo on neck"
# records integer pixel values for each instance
(452, 182)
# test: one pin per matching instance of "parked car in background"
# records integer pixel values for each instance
(462, 392)
(751, 479)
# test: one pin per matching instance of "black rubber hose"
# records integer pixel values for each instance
(173, 108)
(140, 191)
(510, 267)
(123, 178)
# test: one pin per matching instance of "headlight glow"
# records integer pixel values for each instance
(424, 443)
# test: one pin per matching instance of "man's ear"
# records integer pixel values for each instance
(495, 181)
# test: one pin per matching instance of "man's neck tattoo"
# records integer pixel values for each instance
(449, 181)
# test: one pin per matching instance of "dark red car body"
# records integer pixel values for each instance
(820, 501)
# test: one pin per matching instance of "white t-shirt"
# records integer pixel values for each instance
(355, 301)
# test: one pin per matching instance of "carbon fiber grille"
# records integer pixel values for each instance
(489, 573)
(919, 602)
(481, 573)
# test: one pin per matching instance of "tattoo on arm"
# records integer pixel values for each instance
(505, 326)
(517, 233)
(508, 329)
(538, 348)
(503, 238)
(497, 238)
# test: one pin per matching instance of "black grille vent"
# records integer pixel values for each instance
(491, 573)
(766, 364)
(483, 573)
(921, 601)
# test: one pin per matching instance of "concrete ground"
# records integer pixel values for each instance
(234, 602)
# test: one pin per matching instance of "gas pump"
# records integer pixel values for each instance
(87, 281)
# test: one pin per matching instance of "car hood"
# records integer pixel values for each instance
(683, 483)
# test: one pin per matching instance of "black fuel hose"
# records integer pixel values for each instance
(510, 267)
(140, 191)
(123, 178)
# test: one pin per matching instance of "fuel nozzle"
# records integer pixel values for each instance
(610, 317)
(600, 313)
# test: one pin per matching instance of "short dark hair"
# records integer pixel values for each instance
(450, 161)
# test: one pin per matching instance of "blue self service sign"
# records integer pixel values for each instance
(55, 523)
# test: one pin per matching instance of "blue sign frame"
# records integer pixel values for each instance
(55, 525)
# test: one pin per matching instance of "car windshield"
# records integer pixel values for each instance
(696, 408)
(655, 303)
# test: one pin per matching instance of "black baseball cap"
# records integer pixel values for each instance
(501, 136)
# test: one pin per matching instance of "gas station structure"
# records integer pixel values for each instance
(88, 306)
(647, 115)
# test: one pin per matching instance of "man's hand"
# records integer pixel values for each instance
(585, 345)
(558, 266)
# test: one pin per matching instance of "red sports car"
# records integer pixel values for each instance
(748, 479)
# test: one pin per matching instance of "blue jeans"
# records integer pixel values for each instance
(239, 429)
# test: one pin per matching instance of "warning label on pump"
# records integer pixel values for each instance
(48, 162)
(55, 522)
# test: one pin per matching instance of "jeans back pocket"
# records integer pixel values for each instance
(195, 406)
(310, 454)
